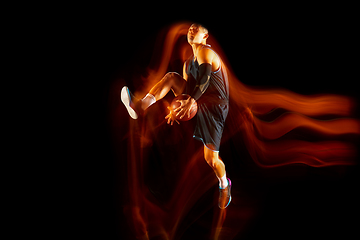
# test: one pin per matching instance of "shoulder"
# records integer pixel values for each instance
(206, 52)
(207, 55)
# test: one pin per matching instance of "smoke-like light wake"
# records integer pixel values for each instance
(323, 123)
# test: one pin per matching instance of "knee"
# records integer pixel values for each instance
(174, 81)
(168, 78)
(170, 75)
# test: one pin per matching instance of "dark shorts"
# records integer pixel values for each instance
(210, 123)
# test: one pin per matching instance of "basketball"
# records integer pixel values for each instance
(175, 104)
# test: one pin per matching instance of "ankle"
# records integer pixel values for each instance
(147, 101)
(223, 182)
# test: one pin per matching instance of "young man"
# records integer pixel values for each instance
(204, 79)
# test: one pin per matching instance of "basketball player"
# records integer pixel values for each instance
(204, 79)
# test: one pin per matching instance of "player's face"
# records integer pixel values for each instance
(196, 35)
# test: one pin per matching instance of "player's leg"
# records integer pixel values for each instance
(213, 159)
(171, 81)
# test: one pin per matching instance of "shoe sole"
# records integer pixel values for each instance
(125, 98)
(229, 181)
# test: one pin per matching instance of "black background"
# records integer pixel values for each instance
(305, 48)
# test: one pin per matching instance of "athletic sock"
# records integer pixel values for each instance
(147, 101)
(223, 182)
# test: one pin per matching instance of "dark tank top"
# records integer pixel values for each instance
(218, 89)
(213, 104)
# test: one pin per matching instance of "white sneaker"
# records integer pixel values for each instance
(126, 98)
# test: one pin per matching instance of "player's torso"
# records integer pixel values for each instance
(218, 86)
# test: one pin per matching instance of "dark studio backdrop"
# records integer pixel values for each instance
(306, 49)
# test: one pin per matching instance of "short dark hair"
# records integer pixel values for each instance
(205, 30)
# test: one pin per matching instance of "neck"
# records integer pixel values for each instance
(196, 47)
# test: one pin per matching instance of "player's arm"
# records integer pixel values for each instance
(205, 58)
(185, 76)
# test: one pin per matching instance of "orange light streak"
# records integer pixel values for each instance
(267, 142)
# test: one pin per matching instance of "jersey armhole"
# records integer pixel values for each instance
(209, 47)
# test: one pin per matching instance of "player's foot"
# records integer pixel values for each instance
(225, 196)
(128, 100)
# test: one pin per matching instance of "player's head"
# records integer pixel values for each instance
(197, 34)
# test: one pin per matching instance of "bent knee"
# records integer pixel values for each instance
(174, 77)
(171, 75)
(175, 81)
